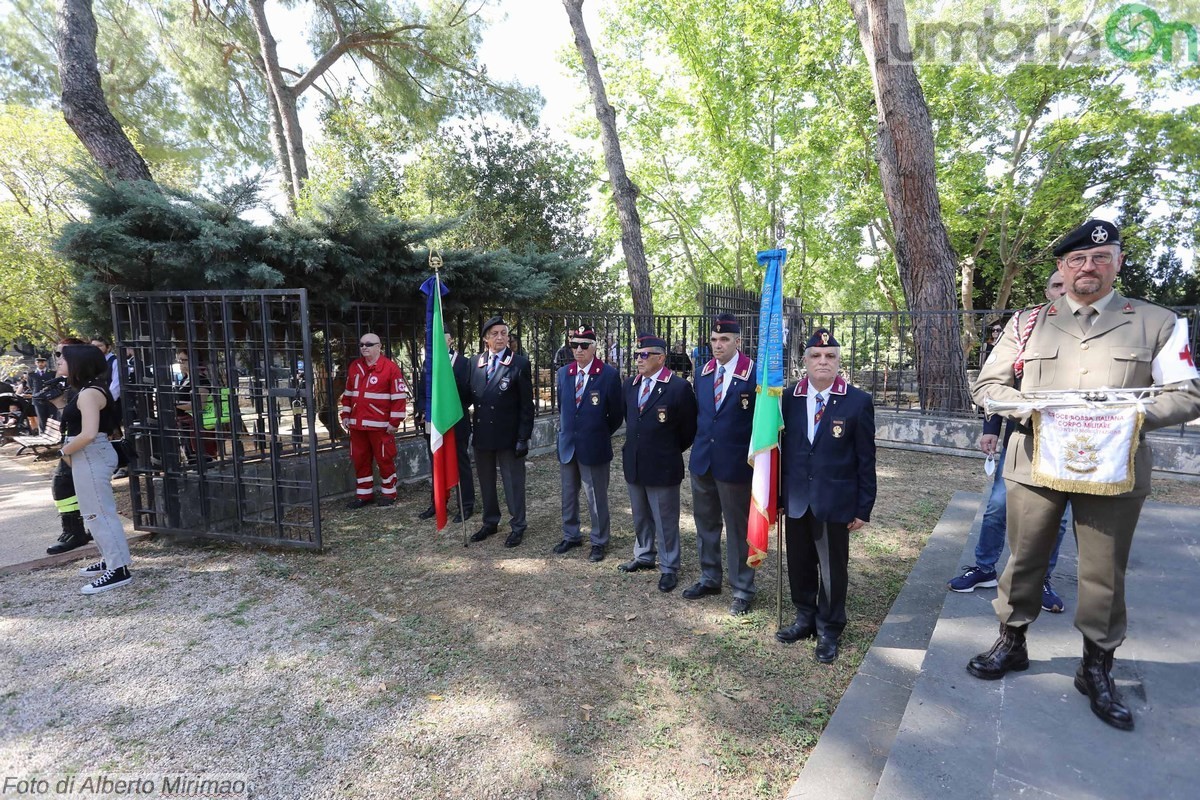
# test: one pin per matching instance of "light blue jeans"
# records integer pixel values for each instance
(92, 468)
(994, 528)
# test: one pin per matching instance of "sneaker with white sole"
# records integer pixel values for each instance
(92, 570)
(973, 578)
(1050, 600)
(111, 579)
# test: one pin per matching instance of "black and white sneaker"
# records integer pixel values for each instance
(111, 579)
(92, 570)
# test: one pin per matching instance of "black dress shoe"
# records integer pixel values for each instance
(482, 533)
(565, 545)
(514, 539)
(462, 516)
(428, 513)
(700, 589)
(667, 582)
(635, 565)
(827, 649)
(67, 542)
(740, 607)
(597, 553)
(388, 501)
(359, 502)
(795, 632)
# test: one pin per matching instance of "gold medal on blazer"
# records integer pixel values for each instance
(838, 428)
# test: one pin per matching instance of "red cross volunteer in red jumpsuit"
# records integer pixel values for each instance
(373, 406)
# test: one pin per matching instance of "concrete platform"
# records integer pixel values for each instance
(1030, 734)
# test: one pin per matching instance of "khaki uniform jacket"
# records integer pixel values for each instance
(1116, 352)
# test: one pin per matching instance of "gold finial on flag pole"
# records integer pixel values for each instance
(435, 259)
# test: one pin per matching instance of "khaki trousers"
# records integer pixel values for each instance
(1103, 534)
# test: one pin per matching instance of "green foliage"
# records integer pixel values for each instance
(36, 200)
(741, 117)
(508, 189)
(140, 239)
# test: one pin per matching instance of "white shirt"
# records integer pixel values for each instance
(114, 374)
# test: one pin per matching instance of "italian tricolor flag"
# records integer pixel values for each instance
(764, 457)
(768, 409)
(444, 412)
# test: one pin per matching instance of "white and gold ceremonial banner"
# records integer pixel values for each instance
(1088, 450)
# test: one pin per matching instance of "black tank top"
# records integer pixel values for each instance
(72, 418)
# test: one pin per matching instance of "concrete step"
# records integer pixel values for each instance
(1032, 734)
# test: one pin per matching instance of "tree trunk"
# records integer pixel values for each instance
(285, 101)
(924, 256)
(624, 191)
(83, 97)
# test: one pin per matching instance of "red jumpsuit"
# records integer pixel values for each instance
(376, 397)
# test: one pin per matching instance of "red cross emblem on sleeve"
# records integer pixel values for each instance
(1186, 355)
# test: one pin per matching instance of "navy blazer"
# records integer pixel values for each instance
(834, 475)
(656, 436)
(503, 406)
(723, 435)
(586, 432)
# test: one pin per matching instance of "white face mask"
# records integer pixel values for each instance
(989, 465)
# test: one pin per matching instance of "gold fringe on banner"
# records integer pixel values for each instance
(1061, 484)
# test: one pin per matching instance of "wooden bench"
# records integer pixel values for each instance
(50, 438)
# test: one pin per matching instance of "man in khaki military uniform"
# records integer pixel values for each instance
(1089, 339)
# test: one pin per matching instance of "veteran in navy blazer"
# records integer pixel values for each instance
(502, 400)
(590, 411)
(828, 466)
(721, 473)
(660, 423)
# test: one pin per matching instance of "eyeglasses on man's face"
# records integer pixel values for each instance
(580, 345)
(367, 344)
(1099, 259)
(640, 354)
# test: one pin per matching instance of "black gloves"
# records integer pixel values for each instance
(522, 448)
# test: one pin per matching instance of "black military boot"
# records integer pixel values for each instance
(1094, 678)
(1008, 653)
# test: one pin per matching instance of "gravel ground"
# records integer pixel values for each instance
(399, 664)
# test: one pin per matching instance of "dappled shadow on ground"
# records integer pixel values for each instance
(399, 663)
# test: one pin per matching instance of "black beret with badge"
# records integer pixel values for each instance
(584, 333)
(822, 338)
(491, 323)
(1093, 233)
(650, 340)
(726, 323)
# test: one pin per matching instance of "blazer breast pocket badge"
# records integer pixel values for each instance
(662, 414)
(595, 398)
(504, 384)
(838, 428)
(745, 401)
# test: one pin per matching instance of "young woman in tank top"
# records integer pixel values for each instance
(88, 420)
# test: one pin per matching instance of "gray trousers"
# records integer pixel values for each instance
(712, 501)
(512, 473)
(594, 482)
(92, 468)
(656, 525)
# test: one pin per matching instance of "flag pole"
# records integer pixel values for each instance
(435, 261)
(779, 538)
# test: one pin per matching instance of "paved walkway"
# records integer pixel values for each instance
(29, 522)
(915, 724)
